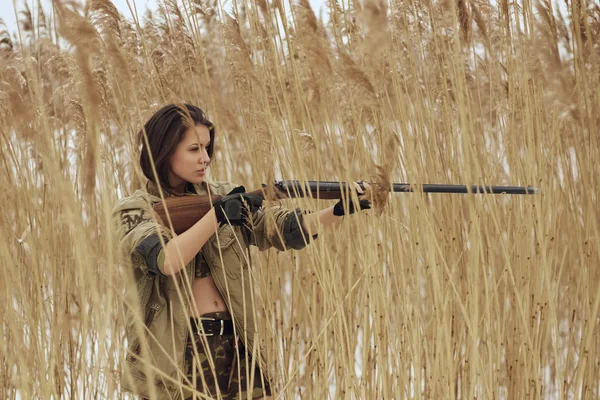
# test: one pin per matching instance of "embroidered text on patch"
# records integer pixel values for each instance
(131, 218)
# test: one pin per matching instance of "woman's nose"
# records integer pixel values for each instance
(205, 157)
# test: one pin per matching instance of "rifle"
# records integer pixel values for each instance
(185, 211)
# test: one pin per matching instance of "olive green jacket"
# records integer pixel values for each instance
(157, 311)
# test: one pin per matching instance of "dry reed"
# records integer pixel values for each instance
(429, 296)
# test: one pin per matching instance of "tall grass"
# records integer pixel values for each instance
(426, 296)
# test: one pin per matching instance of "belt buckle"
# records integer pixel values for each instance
(199, 330)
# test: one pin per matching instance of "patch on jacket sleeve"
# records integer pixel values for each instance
(293, 234)
(149, 249)
(131, 218)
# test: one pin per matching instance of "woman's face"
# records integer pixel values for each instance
(190, 159)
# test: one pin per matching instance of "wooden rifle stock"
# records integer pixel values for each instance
(185, 211)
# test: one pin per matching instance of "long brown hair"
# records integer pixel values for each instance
(165, 129)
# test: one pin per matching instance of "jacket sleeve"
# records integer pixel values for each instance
(278, 227)
(138, 238)
(150, 249)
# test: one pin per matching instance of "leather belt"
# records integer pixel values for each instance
(207, 326)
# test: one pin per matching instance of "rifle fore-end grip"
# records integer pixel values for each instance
(329, 195)
(323, 190)
(184, 211)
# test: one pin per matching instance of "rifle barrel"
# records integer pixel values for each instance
(296, 188)
(441, 188)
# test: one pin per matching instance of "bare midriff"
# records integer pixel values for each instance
(206, 297)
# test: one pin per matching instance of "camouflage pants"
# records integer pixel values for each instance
(233, 376)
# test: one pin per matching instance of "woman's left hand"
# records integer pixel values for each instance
(363, 203)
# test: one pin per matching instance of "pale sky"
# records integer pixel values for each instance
(7, 12)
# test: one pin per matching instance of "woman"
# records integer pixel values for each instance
(196, 329)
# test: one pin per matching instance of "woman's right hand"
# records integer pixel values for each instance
(236, 207)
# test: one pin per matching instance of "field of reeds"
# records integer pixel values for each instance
(438, 296)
